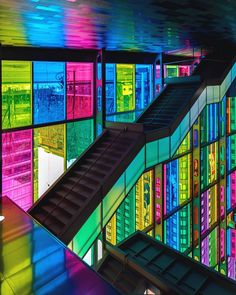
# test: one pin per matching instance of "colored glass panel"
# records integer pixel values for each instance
(144, 86)
(171, 71)
(49, 92)
(49, 157)
(209, 249)
(231, 191)
(209, 214)
(231, 253)
(184, 71)
(209, 123)
(16, 94)
(144, 201)
(177, 186)
(17, 167)
(209, 165)
(178, 229)
(125, 217)
(231, 114)
(222, 119)
(231, 152)
(125, 87)
(79, 135)
(79, 78)
(110, 88)
(185, 146)
(88, 233)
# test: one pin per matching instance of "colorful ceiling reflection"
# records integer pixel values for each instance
(117, 25)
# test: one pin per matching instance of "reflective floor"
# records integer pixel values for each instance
(33, 262)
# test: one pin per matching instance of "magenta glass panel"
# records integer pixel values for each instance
(184, 71)
(79, 77)
(17, 167)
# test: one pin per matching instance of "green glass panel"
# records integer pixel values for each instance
(125, 87)
(171, 72)
(79, 135)
(16, 94)
(125, 217)
(88, 233)
(185, 146)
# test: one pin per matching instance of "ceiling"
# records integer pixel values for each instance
(136, 25)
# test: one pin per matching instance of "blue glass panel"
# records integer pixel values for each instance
(143, 86)
(49, 91)
(110, 88)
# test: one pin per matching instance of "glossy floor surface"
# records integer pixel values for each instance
(32, 261)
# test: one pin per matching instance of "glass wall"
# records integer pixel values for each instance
(34, 157)
(129, 87)
(192, 195)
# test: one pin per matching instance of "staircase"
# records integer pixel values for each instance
(166, 109)
(65, 207)
(161, 267)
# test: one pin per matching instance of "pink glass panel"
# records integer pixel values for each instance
(17, 167)
(79, 77)
(233, 189)
(184, 71)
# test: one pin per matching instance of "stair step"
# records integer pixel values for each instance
(90, 174)
(98, 165)
(54, 224)
(68, 204)
(61, 214)
(78, 199)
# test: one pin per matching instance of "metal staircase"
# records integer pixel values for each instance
(65, 207)
(143, 259)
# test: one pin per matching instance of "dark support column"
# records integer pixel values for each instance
(161, 69)
(100, 100)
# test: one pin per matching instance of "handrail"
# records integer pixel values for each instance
(79, 179)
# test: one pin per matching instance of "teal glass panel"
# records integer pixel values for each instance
(88, 233)
(125, 217)
(135, 169)
(151, 153)
(175, 140)
(164, 149)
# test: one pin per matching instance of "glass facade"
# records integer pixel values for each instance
(34, 157)
(192, 194)
(185, 197)
(129, 87)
